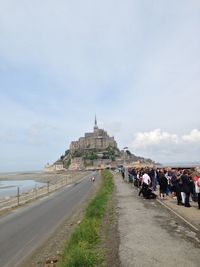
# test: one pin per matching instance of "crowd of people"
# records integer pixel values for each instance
(181, 184)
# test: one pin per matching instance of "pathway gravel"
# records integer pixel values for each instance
(150, 235)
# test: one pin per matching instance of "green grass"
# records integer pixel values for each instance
(81, 249)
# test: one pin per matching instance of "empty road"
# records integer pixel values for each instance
(23, 230)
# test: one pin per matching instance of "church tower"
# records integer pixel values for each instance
(95, 124)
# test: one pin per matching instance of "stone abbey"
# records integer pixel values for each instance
(98, 139)
(96, 150)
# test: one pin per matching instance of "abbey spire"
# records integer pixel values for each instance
(95, 123)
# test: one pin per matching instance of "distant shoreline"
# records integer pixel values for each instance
(181, 164)
(8, 186)
(20, 172)
(40, 175)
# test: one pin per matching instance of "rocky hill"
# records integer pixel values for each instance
(95, 150)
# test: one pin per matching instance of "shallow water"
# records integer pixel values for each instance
(9, 188)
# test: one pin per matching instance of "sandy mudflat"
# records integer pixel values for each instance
(44, 177)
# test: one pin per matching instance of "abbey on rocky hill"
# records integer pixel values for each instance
(96, 150)
(97, 140)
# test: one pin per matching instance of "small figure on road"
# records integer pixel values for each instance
(92, 179)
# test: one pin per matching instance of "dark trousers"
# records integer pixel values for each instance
(198, 199)
(178, 195)
(187, 204)
(143, 190)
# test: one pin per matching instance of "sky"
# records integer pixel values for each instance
(133, 63)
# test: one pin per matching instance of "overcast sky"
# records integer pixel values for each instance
(133, 63)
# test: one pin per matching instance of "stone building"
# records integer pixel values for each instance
(57, 166)
(77, 164)
(98, 139)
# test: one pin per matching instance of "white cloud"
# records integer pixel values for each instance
(164, 146)
(153, 138)
(193, 136)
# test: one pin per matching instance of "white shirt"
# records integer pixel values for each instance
(197, 187)
(146, 179)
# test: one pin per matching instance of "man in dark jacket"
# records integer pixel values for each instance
(186, 187)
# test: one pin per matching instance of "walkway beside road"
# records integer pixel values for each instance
(151, 235)
(191, 215)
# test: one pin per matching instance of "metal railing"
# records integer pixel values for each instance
(37, 192)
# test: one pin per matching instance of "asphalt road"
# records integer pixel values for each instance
(22, 231)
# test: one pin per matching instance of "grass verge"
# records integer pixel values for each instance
(81, 249)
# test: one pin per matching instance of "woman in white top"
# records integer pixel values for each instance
(197, 188)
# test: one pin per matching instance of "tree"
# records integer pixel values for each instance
(67, 152)
(91, 156)
(128, 152)
(67, 163)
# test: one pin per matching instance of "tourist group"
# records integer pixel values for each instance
(181, 184)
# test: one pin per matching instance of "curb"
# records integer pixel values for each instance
(178, 215)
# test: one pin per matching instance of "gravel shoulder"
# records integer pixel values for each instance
(109, 233)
